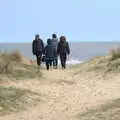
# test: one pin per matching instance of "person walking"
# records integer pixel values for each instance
(37, 48)
(54, 42)
(63, 50)
(49, 54)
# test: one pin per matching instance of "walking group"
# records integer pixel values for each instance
(56, 47)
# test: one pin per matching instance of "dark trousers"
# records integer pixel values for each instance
(39, 58)
(55, 62)
(48, 63)
(63, 58)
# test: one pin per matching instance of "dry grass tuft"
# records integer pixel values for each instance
(8, 60)
(115, 54)
(108, 111)
(15, 56)
(14, 99)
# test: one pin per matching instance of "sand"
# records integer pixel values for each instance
(65, 94)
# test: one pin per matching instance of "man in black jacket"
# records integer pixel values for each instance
(54, 42)
(37, 48)
(63, 50)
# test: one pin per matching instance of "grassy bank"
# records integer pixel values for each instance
(13, 67)
(104, 65)
(13, 99)
(109, 111)
(23, 72)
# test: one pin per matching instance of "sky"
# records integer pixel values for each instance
(78, 20)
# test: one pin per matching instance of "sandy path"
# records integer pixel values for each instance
(66, 95)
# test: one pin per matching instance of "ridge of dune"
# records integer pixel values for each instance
(67, 93)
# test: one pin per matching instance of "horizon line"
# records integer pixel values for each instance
(68, 41)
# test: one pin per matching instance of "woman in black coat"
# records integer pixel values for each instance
(49, 54)
(63, 50)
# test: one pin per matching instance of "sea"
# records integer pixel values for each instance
(80, 51)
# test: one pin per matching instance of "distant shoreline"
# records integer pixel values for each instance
(80, 51)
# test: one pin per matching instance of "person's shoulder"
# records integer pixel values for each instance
(57, 39)
(67, 42)
(54, 39)
(33, 40)
(40, 39)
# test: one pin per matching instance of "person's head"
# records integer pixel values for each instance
(62, 38)
(37, 36)
(54, 36)
(49, 41)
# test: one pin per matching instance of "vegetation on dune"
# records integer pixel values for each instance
(102, 64)
(109, 111)
(23, 72)
(110, 63)
(12, 66)
(107, 64)
(115, 54)
(9, 60)
(14, 99)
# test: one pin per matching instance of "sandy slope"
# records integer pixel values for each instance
(66, 94)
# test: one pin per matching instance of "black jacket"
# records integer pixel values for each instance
(63, 48)
(54, 43)
(37, 46)
(49, 52)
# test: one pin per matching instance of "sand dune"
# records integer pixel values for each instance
(66, 95)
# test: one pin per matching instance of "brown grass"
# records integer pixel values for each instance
(15, 56)
(115, 54)
(12, 66)
(104, 65)
(8, 60)
(108, 111)
(14, 99)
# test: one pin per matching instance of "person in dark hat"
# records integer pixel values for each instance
(54, 42)
(37, 48)
(63, 50)
(49, 54)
